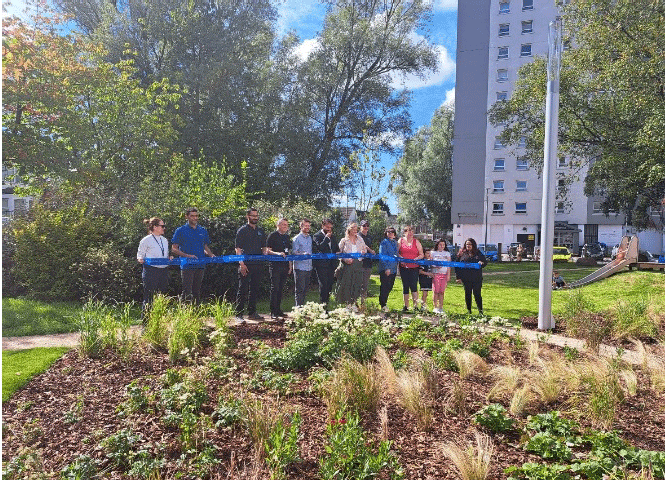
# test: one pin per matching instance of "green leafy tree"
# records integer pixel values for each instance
(611, 104)
(70, 115)
(344, 87)
(421, 179)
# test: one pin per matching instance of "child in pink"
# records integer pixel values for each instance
(441, 274)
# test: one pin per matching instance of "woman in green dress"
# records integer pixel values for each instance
(351, 276)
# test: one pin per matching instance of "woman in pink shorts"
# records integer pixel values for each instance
(441, 274)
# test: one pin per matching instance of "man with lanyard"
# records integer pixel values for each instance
(191, 241)
(302, 245)
(325, 242)
(250, 240)
(367, 262)
(278, 243)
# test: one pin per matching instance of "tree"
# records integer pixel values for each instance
(344, 87)
(225, 56)
(421, 178)
(611, 103)
(68, 114)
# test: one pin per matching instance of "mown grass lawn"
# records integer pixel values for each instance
(21, 317)
(19, 366)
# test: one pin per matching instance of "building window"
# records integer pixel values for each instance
(498, 209)
(503, 29)
(498, 143)
(526, 50)
(561, 184)
(498, 186)
(522, 141)
(499, 165)
(521, 185)
(503, 52)
(502, 75)
(559, 208)
(521, 164)
(521, 207)
(562, 162)
(502, 96)
(504, 6)
(5, 207)
(526, 26)
(21, 205)
(528, 4)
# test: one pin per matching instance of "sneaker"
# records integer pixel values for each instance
(436, 310)
(405, 310)
(385, 309)
(274, 316)
(354, 308)
(240, 319)
(255, 316)
(281, 314)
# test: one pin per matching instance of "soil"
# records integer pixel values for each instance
(40, 417)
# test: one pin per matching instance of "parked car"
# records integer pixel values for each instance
(490, 251)
(593, 250)
(561, 254)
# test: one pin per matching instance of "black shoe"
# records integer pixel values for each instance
(255, 316)
(281, 314)
(274, 316)
(405, 310)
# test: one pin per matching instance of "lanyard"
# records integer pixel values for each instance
(159, 244)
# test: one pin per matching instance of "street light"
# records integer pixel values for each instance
(549, 158)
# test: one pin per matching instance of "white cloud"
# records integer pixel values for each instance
(446, 71)
(299, 15)
(445, 5)
(450, 98)
(306, 47)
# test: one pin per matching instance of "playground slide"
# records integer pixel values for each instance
(627, 254)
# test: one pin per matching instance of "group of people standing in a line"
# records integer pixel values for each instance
(352, 275)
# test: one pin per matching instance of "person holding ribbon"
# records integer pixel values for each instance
(250, 240)
(325, 242)
(351, 277)
(278, 243)
(471, 278)
(387, 268)
(409, 247)
(191, 241)
(155, 277)
(442, 274)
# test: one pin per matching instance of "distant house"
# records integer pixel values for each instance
(11, 203)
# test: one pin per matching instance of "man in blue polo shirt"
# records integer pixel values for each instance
(191, 241)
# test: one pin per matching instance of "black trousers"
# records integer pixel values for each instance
(325, 279)
(473, 287)
(278, 278)
(410, 279)
(192, 278)
(385, 286)
(250, 282)
(155, 280)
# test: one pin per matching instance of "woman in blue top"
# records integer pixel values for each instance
(387, 269)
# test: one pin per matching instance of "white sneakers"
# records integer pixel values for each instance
(438, 311)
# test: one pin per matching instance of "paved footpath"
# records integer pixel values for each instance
(71, 340)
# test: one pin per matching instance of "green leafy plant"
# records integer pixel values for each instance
(82, 468)
(538, 471)
(137, 400)
(494, 418)
(282, 446)
(121, 446)
(228, 412)
(27, 464)
(349, 455)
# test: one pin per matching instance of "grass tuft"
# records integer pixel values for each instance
(469, 363)
(472, 463)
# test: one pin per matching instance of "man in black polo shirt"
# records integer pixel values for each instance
(250, 240)
(278, 243)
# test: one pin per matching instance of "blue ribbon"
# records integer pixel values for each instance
(290, 258)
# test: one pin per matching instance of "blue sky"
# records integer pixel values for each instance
(306, 18)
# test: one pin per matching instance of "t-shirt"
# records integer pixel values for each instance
(438, 256)
(191, 241)
(153, 246)
(251, 241)
(367, 262)
(279, 242)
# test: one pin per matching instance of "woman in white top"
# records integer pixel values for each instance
(442, 274)
(351, 277)
(155, 277)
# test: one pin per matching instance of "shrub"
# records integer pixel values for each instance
(48, 242)
(107, 275)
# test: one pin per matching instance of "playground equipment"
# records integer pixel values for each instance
(627, 255)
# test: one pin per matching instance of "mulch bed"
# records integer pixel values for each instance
(36, 416)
